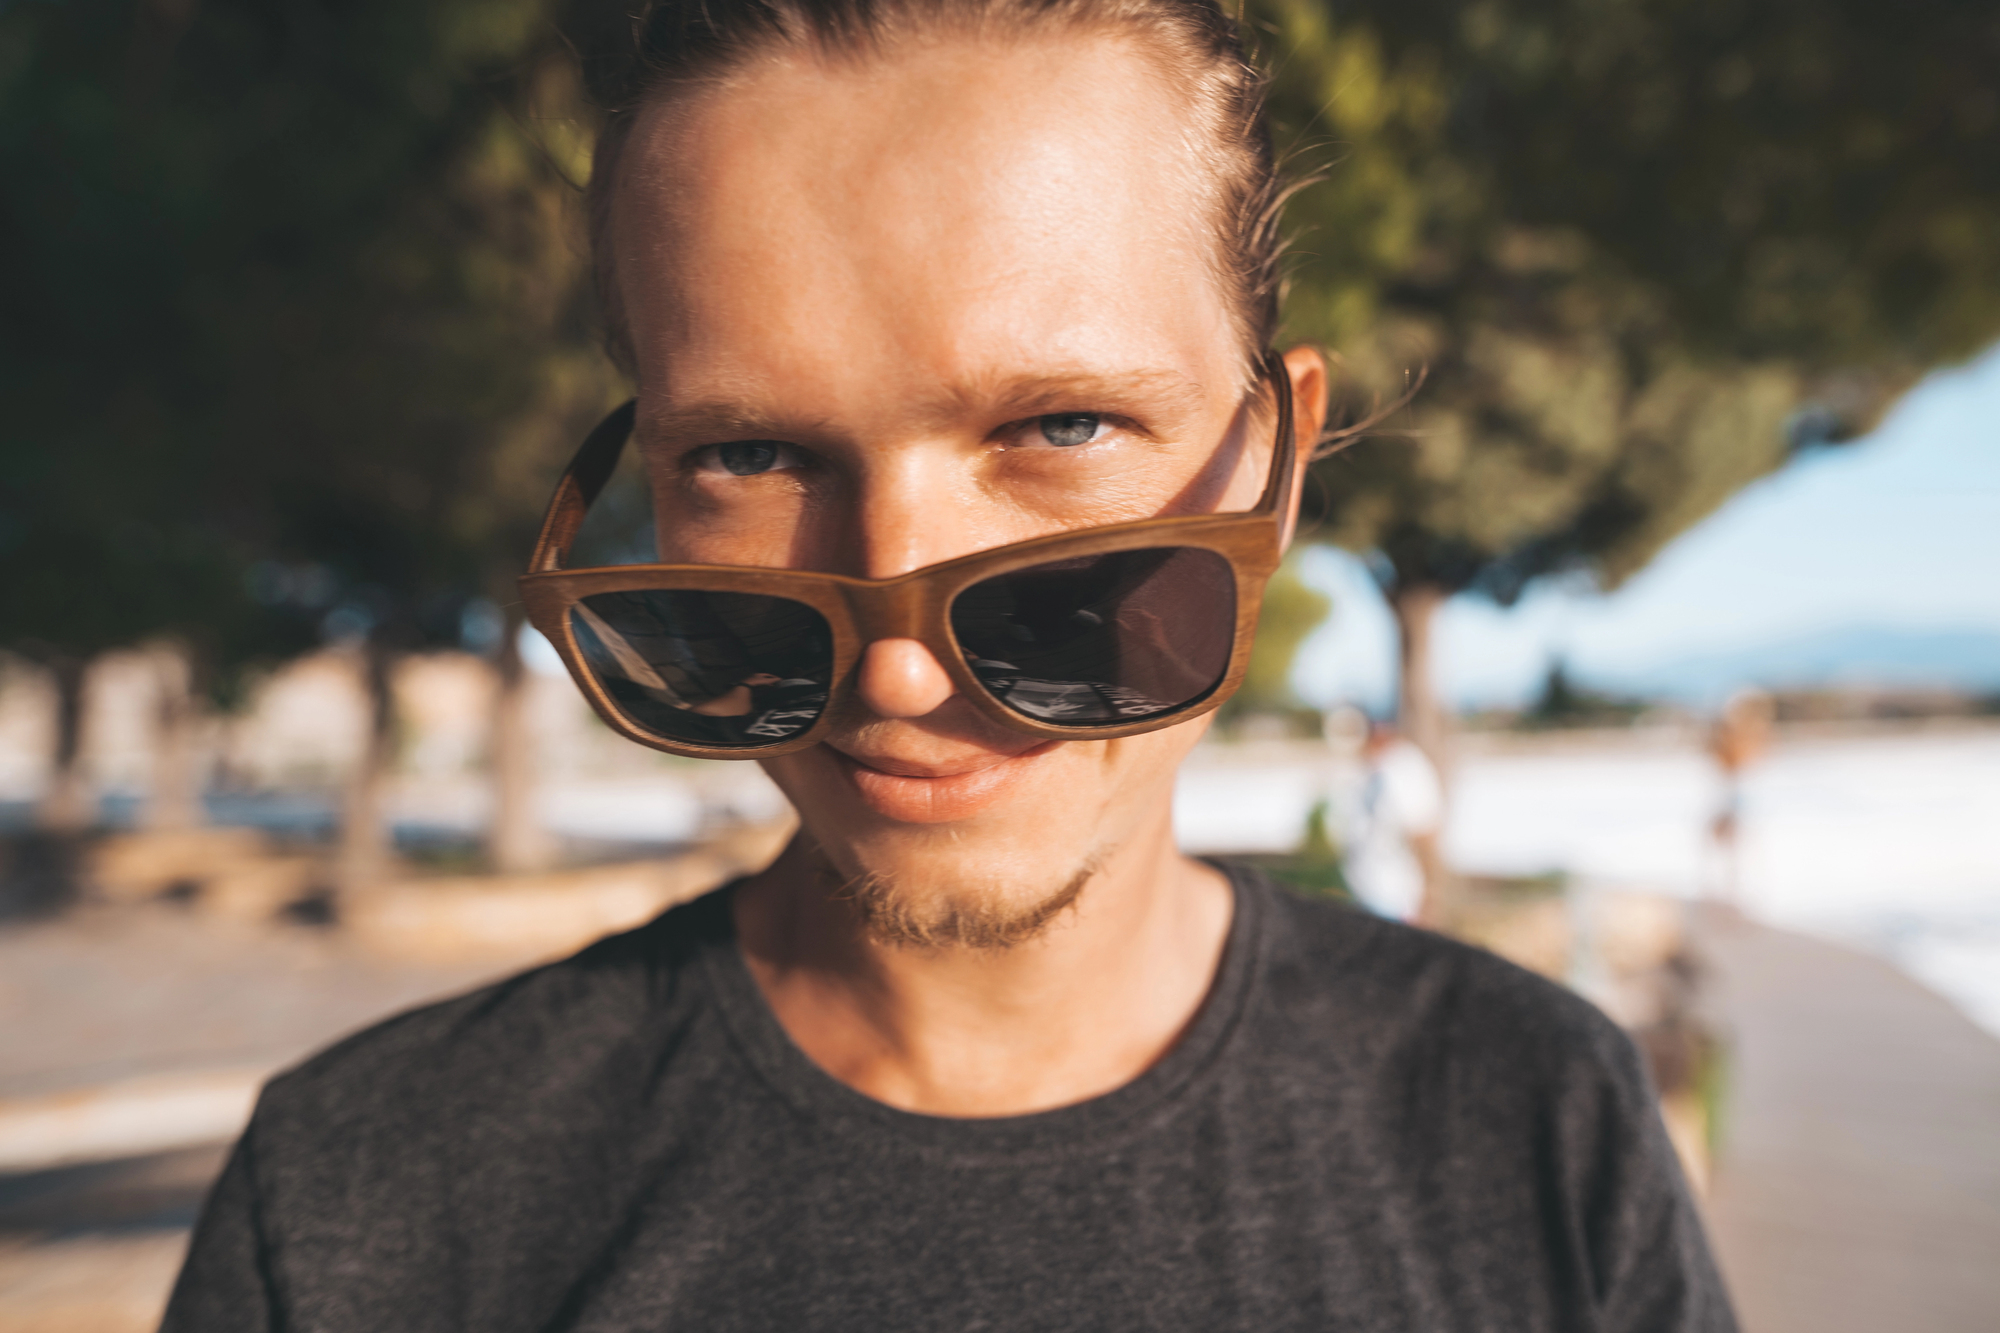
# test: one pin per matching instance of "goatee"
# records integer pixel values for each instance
(892, 915)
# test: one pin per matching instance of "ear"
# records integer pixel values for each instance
(1306, 365)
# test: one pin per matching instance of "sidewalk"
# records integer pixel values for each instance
(126, 1036)
(1858, 1186)
(104, 995)
(94, 1248)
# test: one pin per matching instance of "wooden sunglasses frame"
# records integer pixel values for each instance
(915, 605)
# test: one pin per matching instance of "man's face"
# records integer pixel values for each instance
(892, 312)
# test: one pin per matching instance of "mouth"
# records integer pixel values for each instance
(914, 793)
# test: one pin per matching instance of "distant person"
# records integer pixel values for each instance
(927, 302)
(1740, 737)
(1397, 822)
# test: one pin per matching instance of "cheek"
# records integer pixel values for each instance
(1106, 785)
(1139, 764)
(799, 776)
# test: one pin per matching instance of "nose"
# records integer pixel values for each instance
(910, 509)
(909, 512)
(900, 678)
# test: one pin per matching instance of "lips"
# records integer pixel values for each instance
(937, 794)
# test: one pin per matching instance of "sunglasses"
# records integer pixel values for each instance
(1094, 634)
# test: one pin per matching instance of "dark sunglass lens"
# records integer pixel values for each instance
(1102, 639)
(708, 668)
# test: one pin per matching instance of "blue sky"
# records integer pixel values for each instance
(1899, 531)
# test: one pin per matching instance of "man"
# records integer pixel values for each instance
(923, 301)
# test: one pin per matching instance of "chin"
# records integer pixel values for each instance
(917, 907)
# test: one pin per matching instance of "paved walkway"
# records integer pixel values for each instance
(147, 1008)
(94, 1248)
(1858, 1189)
(103, 995)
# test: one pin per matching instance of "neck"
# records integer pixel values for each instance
(1082, 1008)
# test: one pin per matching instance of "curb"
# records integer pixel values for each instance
(129, 1118)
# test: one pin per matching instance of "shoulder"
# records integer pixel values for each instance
(1340, 978)
(551, 1025)
(1495, 1101)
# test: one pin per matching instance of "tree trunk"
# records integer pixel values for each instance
(175, 799)
(516, 841)
(364, 856)
(1422, 719)
(67, 807)
(1419, 712)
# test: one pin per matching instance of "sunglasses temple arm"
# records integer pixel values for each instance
(581, 482)
(1279, 489)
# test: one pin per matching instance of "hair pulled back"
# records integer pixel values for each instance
(680, 45)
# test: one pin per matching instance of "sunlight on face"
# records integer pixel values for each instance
(889, 313)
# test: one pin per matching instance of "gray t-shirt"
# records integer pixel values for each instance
(1367, 1127)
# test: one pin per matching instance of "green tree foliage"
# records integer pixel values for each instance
(110, 529)
(306, 330)
(1563, 703)
(1290, 612)
(407, 337)
(1643, 249)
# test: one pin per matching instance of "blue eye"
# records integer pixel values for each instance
(1064, 429)
(749, 458)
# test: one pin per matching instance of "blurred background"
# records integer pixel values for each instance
(1652, 639)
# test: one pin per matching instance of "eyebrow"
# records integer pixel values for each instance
(1021, 395)
(715, 419)
(1009, 397)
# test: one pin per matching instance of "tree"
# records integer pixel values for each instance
(111, 532)
(1289, 613)
(425, 345)
(1643, 249)
(307, 316)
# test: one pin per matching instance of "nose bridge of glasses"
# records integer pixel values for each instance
(912, 607)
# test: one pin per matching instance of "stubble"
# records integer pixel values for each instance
(892, 914)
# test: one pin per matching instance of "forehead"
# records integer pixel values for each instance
(958, 208)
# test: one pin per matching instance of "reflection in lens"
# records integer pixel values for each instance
(708, 668)
(1101, 639)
